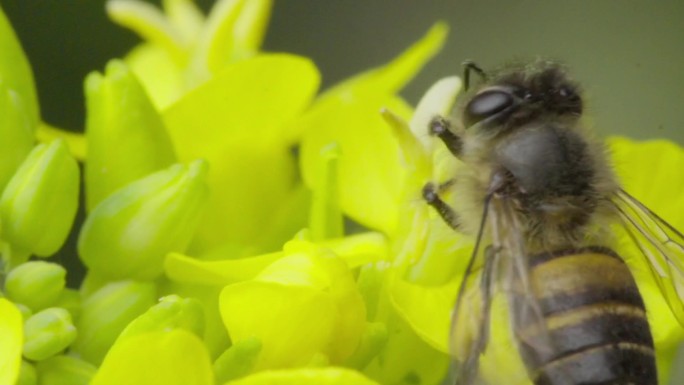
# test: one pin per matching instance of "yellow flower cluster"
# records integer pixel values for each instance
(242, 227)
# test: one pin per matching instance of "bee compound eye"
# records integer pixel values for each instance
(487, 103)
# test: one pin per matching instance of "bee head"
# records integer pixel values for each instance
(518, 95)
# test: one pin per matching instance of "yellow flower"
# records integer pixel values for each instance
(303, 307)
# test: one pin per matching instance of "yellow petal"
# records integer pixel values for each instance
(75, 142)
(426, 308)
(185, 16)
(181, 268)
(162, 78)
(247, 102)
(392, 77)
(651, 171)
(148, 22)
(294, 323)
(250, 29)
(307, 293)
(235, 121)
(11, 340)
(176, 357)
(370, 176)
(437, 101)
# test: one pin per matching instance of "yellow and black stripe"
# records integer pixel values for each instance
(595, 330)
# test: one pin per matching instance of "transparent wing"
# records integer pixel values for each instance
(487, 282)
(470, 318)
(518, 285)
(660, 243)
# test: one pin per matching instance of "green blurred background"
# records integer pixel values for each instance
(627, 53)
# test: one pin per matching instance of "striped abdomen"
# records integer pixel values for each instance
(596, 328)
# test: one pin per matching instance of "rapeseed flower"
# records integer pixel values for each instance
(215, 253)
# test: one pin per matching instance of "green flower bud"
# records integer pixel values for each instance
(127, 139)
(38, 205)
(170, 313)
(16, 133)
(27, 374)
(15, 71)
(128, 234)
(47, 333)
(25, 311)
(65, 370)
(36, 284)
(70, 300)
(106, 313)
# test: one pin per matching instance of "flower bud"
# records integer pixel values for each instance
(106, 313)
(48, 332)
(38, 205)
(27, 374)
(127, 139)
(170, 313)
(70, 300)
(25, 311)
(128, 234)
(16, 133)
(36, 284)
(65, 370)
(15, 71)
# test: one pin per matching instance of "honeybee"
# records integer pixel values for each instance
(537, 192)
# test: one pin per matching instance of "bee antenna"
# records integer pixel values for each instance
(468, 66)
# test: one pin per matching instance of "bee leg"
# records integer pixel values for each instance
(431, 196)
(439, 127)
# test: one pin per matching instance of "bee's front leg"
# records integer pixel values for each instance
(440, 127)
(448, 214)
